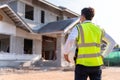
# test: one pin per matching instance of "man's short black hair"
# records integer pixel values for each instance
(88, 13)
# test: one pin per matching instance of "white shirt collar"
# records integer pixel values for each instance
(87, 21)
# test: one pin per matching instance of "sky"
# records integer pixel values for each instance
(107, 13)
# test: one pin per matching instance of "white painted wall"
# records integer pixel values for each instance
(6, 25)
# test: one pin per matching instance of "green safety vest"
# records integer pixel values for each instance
(88, 44)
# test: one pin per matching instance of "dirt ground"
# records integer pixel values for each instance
(109, 73)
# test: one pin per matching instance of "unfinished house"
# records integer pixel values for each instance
(33, 32)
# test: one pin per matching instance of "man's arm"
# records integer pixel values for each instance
(110, 44)
(70, 44)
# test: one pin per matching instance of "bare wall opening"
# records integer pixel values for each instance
(29, 12)
(48, 48)
(28, 45)
(4, 43)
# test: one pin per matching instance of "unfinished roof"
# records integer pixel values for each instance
(58, 26)
(15, 18)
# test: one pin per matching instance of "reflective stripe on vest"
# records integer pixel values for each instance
(95, 55)
(88, 45)
(88, 55)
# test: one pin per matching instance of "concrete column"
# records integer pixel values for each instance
(12, 44)
(16, 45)
(60, 45)
(37, 47)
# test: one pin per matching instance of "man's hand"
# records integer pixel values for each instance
(66, 58)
